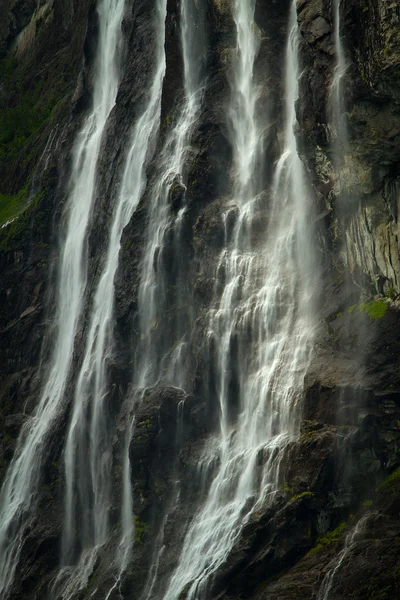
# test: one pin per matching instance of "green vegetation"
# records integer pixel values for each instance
(302, 495)
(367, 503)
(387, 51)
(10, 236)
(141, 529)
(12, 206)
(391, 293)
(28, 105)
(375, 309)
(7, 66)
(331, 537)
(378, 588)
(393, 477)
(145, 424)
(18, 123)
(308, 435)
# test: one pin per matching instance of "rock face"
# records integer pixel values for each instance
(335, 516)
(367, 180)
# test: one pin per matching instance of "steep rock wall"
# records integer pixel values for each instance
(339, 470)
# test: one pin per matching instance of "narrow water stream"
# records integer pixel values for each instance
(20, 487)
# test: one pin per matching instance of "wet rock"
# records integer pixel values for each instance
(14, 423)
(176, 195)
(316, 30)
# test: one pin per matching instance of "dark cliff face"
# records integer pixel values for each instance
(44, 58)
(345, 465)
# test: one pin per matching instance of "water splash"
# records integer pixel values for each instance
(260, 330)
(19, 491)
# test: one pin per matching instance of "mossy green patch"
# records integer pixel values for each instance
(8, 66)
(19, 122)
(375, 309)
(391, 293)
(13, 205)
(145, 424)
(12, 236)
(302, 495)
(331, 537)
(393, 477)
(141, 529)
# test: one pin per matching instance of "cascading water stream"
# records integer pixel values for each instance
(352, 539)
(156, 357)
(160, 357)
(347, 183)
(260, 331)
(88, 459)
(337, 90)
(20, 487)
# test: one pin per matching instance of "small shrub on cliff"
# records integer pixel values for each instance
(375, 309)
(331, 537)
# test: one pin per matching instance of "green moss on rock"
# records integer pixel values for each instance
(12, 235)
(331, 537)
(13, 205)
(302, 495)
(19, 122)
(141, 529)
(392, 478)
(375, 309)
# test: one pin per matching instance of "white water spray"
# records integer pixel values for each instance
(161, 357)
(261, 330)
(88, 460)
(351, 541)
(337, 98)
(20, 487)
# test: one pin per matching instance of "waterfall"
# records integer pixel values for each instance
(20, 487)
(160, 355)
(337, 88)
(88, 459)
(346, 187)
(260, 327)
(351, 541)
